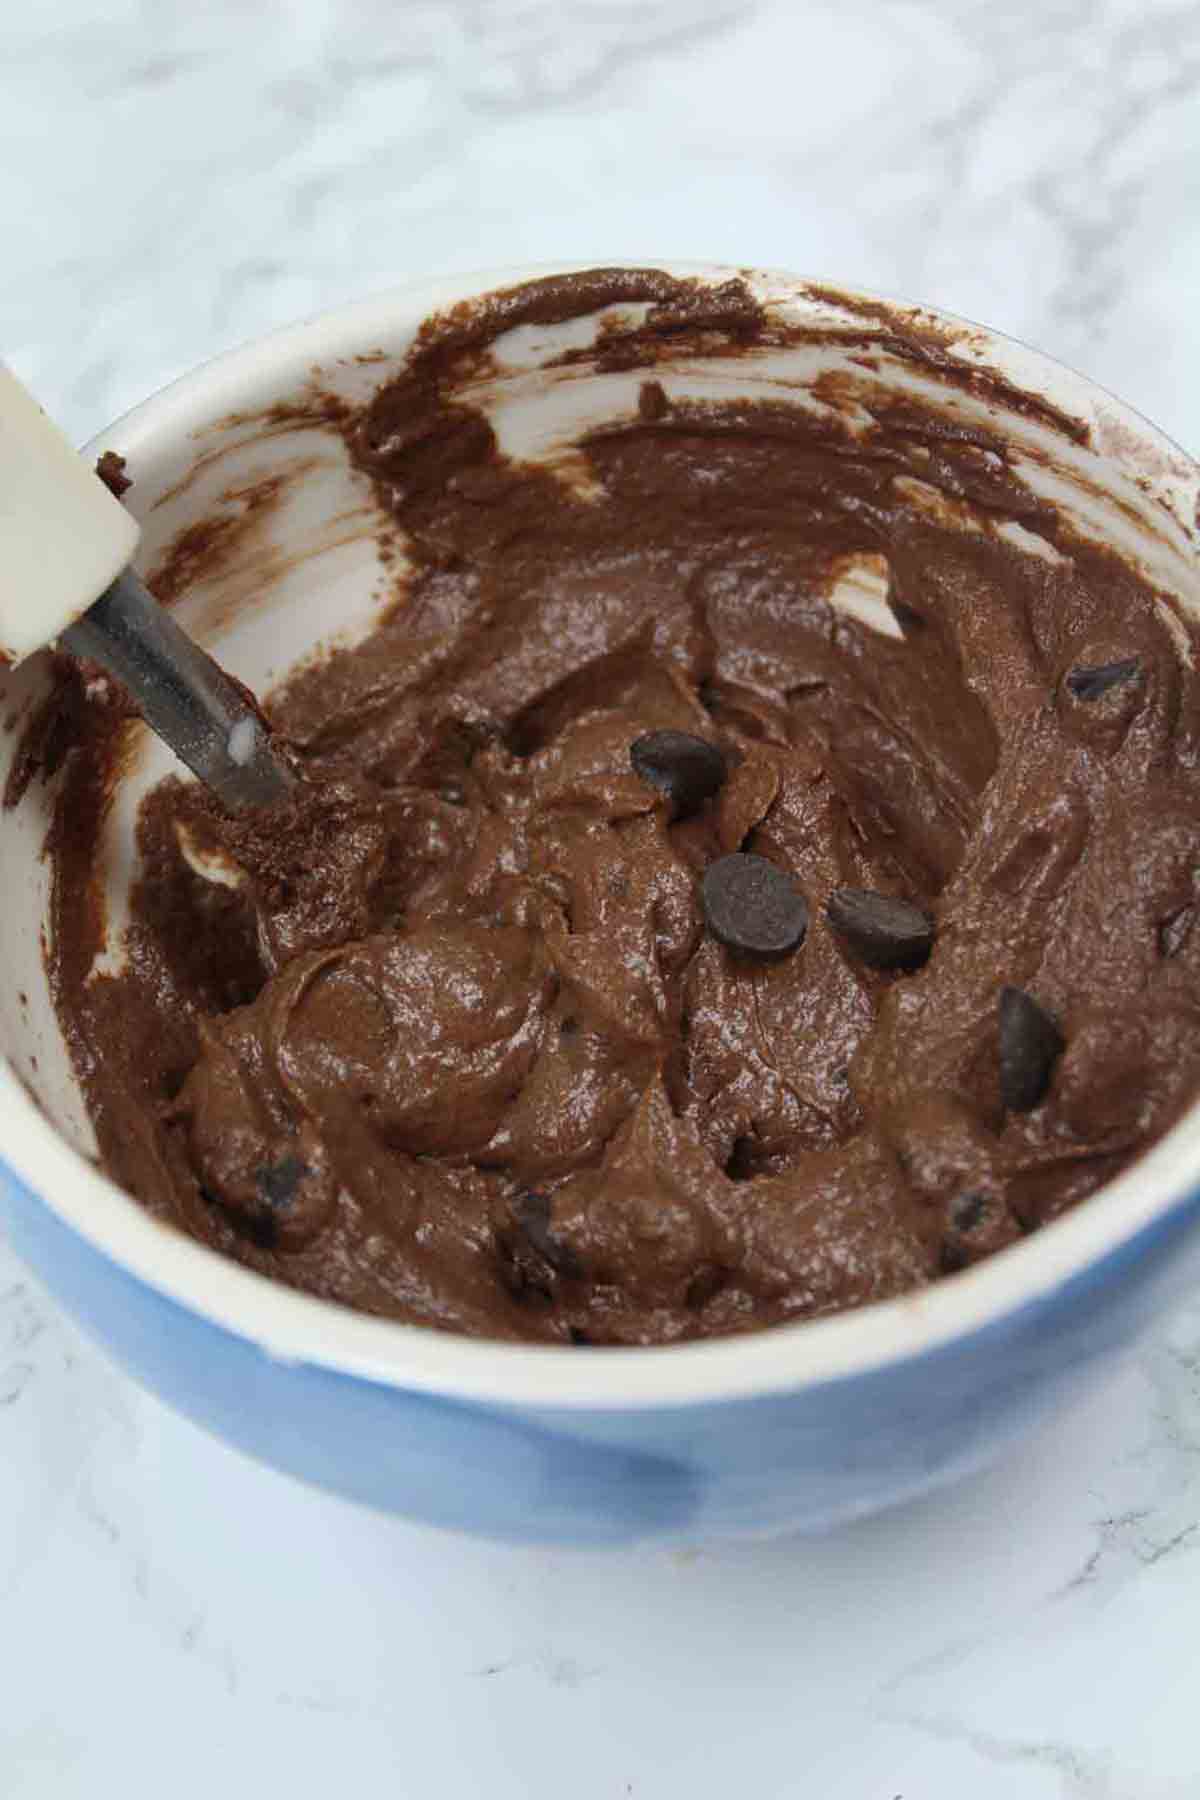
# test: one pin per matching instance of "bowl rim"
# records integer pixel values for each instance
(299, 1328)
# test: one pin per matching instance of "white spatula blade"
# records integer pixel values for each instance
(63, 537)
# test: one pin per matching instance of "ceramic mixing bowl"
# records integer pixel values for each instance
(796, 1427)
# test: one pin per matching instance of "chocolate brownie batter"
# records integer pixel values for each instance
(659, 947)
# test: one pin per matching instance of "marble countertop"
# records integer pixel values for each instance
(174, 179)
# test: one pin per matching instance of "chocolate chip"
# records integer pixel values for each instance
(1090, 683)
(704, 1286)
(907, 617)
(289, 1202)
(531, 1211)
(886, 932)
(278, 1188)
(742, 1162)
(278, 1182)
(752, 907)
(685, 768)
(1174, 931)
(578, 1334)
(968, 1211)
(1030, 1044)
(475, 734)
(977, 1224)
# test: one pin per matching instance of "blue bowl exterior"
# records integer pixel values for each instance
(799, 1460)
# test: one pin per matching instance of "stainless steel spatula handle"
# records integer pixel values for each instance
(65, 549)
(182, 694)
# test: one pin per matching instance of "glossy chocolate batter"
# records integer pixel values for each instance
(464, 1050)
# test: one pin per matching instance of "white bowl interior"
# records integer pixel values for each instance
(303, 568)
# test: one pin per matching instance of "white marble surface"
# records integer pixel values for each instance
(173, 1620)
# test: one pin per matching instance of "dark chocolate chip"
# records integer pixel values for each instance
(578, 1334)
(278, 1182)
(526, 1277)
(742, 1163)
(704, 1286)
(684, 768)
(289, 1202)
(968, 1211)
(1030, 1044)
(531, 1211)
(752, 907)
(978, 1223)
(475, 734)
(1090, 683)
(885, 932)
(1174, 931)
(907, 617)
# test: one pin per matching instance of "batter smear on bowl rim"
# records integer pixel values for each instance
(743, 878)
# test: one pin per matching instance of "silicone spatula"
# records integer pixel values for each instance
(66, 546)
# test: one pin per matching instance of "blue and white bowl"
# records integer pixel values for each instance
(794, 1428)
